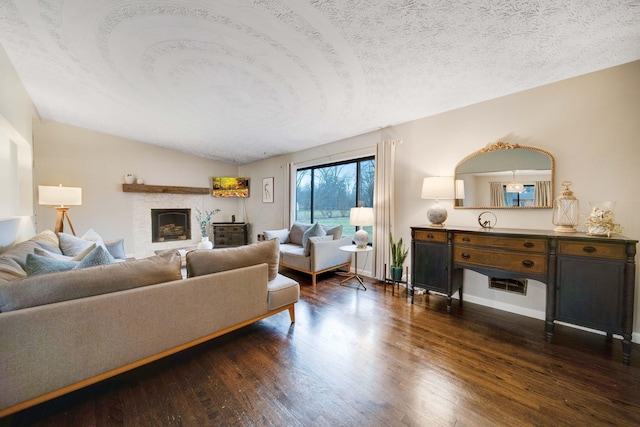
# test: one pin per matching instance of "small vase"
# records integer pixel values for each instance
(129, 178)
(205, 243)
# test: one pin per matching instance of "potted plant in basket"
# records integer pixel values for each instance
(398, 256)
(203, 221)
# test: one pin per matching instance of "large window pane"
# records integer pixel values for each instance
(326, 193)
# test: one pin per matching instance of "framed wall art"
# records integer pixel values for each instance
(267, 190)
(228, 186)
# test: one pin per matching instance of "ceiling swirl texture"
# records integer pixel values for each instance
(243, 80)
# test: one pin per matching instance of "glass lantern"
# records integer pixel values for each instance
(565, 211)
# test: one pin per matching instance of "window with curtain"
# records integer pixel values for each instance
(326, 193)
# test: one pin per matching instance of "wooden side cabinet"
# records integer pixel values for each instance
(595, 287)
(229, 234)
(431, 264)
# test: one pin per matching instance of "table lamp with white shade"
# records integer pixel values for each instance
(362, 217)
(60, 197)
(437, 188)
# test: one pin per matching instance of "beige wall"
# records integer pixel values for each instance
(97, 162)
(590, 124)
(16, 195)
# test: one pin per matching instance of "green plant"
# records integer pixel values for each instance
(203, 219)
(398, 252)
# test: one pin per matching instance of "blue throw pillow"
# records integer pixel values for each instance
(316, 230)
(98, 256)
(38, 264)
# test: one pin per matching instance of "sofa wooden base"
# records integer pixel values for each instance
(313, 274)
(89, 381)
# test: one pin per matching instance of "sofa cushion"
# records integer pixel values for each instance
(209, 261)
(335, 232)
(315, 239)
(80, 283)
(315, 231)
(282, 291)
(281, 235)
(297, 230)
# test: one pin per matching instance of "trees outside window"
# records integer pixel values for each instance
(326, 193)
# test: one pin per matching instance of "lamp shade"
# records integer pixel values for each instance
(59, 196)
(361, 216)
(438, 188)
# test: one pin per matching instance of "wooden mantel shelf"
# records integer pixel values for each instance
(163, 189)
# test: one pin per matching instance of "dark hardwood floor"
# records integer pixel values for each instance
(367, 358)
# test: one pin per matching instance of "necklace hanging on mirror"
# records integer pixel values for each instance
(487, 219)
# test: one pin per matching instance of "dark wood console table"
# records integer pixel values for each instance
(590, 280)
(229, 234)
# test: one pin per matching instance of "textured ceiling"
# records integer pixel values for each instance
(242, 80)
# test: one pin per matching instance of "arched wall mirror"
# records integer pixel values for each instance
(505, 176)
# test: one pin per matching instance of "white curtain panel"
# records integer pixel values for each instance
(497, 194)
(542, 193)
(383, 204)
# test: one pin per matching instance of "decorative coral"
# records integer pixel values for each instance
(600, 222)
(203, 219)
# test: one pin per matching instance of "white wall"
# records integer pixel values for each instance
(97, 162)
(590, 124)
(16, 195)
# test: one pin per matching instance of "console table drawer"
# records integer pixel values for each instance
(517, 262)
(514, 243)
(599, 250)
(430, 236)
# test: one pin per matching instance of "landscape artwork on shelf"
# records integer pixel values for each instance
(227, 186)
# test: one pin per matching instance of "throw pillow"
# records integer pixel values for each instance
(72, 245)
(10, 270)
(60, 257)
(98, 256)
(315, 231)
(281, 235)
(312, 240)
(19, 252)
(335, 232)
(116, 248)
(200, 263)
(297, 230)
(73, 284)
(38, 264)
(47, 240)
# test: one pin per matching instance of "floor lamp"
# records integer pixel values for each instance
(60, 197)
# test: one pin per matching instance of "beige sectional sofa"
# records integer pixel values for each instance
(49, 348)
(312, 248)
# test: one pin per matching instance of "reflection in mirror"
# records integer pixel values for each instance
(505, 176)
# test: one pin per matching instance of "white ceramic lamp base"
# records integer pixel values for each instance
(361, 238)
(437, 215)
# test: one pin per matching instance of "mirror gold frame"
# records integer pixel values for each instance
(501, 159)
